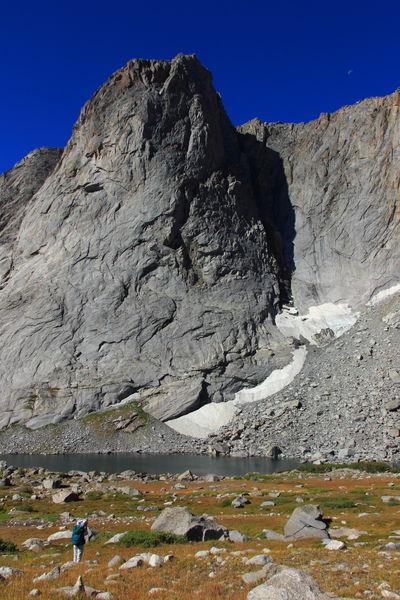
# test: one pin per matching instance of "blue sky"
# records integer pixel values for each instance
(280, 61)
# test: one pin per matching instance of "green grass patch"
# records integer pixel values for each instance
(149, 539)
(94, 495)
(367, 467)
(7, 546)
(335, 502)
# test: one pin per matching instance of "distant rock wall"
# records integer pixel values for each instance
(342, 174)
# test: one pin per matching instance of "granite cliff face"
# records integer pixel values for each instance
(143, 264)
(149, 260)
(342, 174)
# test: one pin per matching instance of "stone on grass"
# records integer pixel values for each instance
(116, 560)
(168, 558)
(390, 546)
(239, 502)
(115, 538)
(35, 592)
(53, 574)
(180, 521)
(272, 535)
(202, 554)
(60, 535)
(65, 496)
(133, 562)
(260, 559)
(289, 584)
(8, 572)
(32, 541)
(236, 536)
(256, 576)
(155, 560)
(306, 521)
(335, 545)
(390, 498)
(130, 491)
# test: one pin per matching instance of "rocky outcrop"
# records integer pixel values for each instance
(342, 178)
(143, 263)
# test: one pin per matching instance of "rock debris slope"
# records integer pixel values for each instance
(145, 262)
(149, 261)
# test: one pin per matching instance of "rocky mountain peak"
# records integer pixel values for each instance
(148, 261)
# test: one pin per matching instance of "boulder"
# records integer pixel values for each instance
(33, 541)
(335, 545)
(239, 502)
(115, 561)
(272, 535)
(8, 572)
(51, 484)
(290, 584)
(235, 536)
(306, 521)
(60, 535)
(65, 496)
(53, 574)
(130, 491)
(180, 521)
(135, 561)
(115, 538)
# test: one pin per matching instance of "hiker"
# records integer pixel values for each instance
(78, 538)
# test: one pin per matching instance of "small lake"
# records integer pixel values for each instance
(151, 463)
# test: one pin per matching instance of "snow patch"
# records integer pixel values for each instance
(395, 289)
(336, 317)
(210, 417)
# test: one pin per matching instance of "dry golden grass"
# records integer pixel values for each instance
(348, 573)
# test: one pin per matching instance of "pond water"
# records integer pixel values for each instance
(151, 463)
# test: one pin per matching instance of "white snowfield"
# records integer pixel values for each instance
(210, 417)
(337, 317)
(380, 296)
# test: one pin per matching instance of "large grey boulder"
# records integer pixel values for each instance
(306, 521)
(145, 266)
(290, 584)
(180, 521)
(65, 496)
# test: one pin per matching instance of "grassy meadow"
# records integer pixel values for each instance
(349, 499)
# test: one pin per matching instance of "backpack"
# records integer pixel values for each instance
(78, 535)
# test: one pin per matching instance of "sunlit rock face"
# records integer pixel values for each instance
(342, 175)
(146, 263)
(149, 259)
